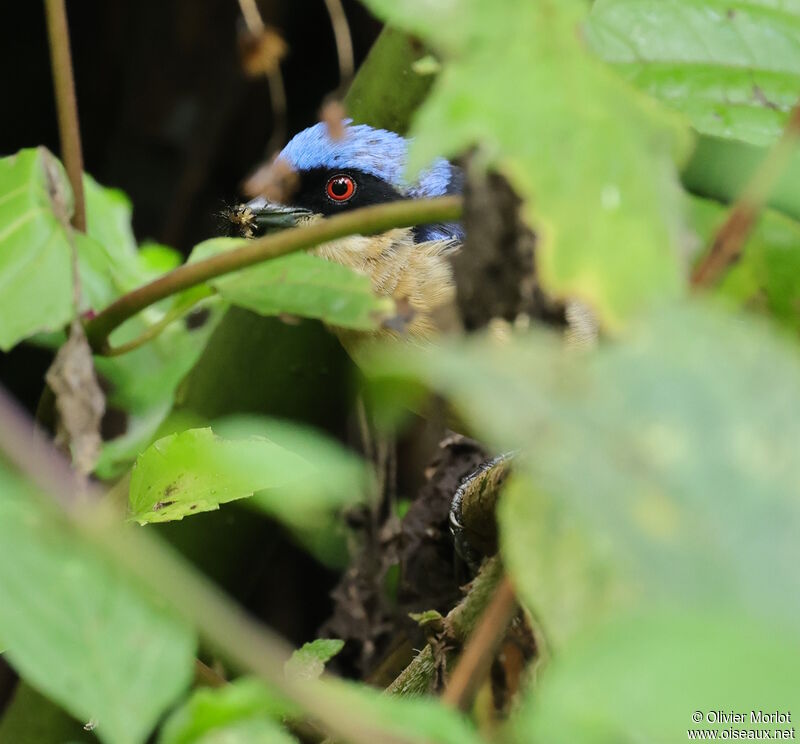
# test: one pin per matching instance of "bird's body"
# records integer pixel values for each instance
(366, 166)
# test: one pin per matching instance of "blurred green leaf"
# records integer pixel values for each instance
(675, 449)
(422, 719)
(80, 631)
(300, 284)
(732, 68)
(642, 678)
(766, 278)
(156, 259)
(309, 661)
(254, 731)
(195, 471)
(147, 377)
(242, 702)
(35, 258)
(574, 138)
(567, 573)
(30, 718)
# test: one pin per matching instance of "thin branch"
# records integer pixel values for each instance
(66, 105)
(732, 235)
(365, 221)
(476, 660)
(252, 16)
(155, 330)
(460, 622)
(344, 41)
(205, 676)
(277, 101)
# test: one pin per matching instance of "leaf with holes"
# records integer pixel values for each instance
(195, 471)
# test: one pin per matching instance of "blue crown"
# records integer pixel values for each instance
(379, 152)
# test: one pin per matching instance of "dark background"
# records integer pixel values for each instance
(166, 112)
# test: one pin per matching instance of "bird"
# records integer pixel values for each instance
(330, 170)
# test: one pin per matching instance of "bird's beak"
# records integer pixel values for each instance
(269, 216)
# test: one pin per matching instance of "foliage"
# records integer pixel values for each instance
(649, 526)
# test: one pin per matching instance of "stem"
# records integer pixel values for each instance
(344, 41)
(416, 678)
(66, 105)
(479, 652)
(365, 221)
(155, 330)
(732, 235)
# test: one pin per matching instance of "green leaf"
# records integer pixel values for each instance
(309, 661)
(573, 137)
(416, 718)
(196, 471)
(35, 257)
(243, 702)
(674, 450)
(766, 277)
(254, 731)
(147, 377)
(78, 630)
(732, 67)
(300, 284)
(642, 678)
(30, 718)
(561, 568)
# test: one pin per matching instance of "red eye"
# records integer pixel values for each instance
(340, 188)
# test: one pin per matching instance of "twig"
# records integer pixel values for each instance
(252, 16)
(365, 221)
(479, 652)
(416, 678)
(66, 105)
(732, 235)
(242, 640)
(344, 41)
(156, 329)
(277, 100)
(204, 675)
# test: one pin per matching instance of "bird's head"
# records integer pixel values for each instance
(359, 167)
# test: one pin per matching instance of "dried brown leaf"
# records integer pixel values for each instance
(275, 180)
(333, 114)
(260, 53)
(79, 400)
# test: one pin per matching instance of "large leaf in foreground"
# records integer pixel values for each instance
(733, 68)
(300, 284)
(568, 134)
(677, 448)
(80, 631)
(642, 679)
(195, 471)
